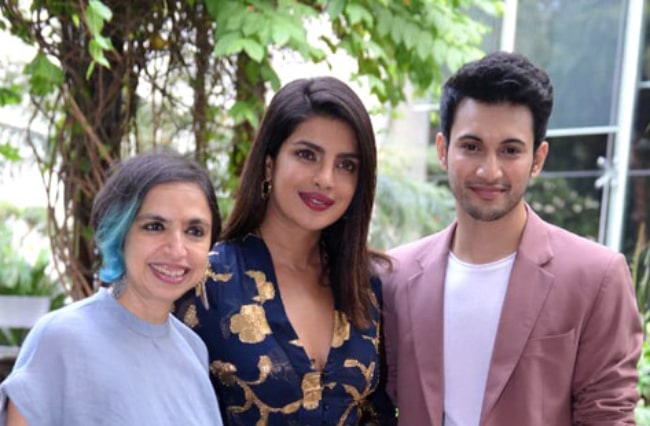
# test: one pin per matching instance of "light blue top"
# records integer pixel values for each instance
(95, 363)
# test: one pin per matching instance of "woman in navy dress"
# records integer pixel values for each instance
(291, 308)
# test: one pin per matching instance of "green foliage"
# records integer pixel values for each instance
(18, 275)
(44, 76)
(406, 208)
(10, 95)
(642, 412)
(640, 268)
(97, 15)
(555, 199)
(9, 152)
(208, 65)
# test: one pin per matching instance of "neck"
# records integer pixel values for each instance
(479, 242)
(291, 249)
(152, 312)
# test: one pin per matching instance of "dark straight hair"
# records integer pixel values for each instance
(346, 258)
(496, 78)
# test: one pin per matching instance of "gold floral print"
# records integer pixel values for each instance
(312, 391)
(265, 288)
(190, 318)
(250, 324)
(225, 371)
(341, 329)
(358, 397)
(224, 278)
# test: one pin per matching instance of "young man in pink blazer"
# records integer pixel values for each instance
(503, 319)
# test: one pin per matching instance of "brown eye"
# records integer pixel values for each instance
(348, 165)
(306, 154)
(153, 226)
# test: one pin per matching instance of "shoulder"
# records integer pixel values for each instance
(56, 337)
(574, 257)
(576, 249)
(67, 321)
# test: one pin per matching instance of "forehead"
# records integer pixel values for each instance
(177, 199)
(492, 122)
(328, 133)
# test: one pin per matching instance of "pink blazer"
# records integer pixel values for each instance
(567, 345)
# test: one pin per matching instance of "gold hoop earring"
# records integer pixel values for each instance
(267, 186)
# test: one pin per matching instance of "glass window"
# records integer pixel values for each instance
(576, 42)
(571, 203)
(575, 153)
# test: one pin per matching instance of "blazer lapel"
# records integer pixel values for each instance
(527, 291)
(425, 295)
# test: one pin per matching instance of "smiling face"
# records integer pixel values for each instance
(489, 158)
(314, 175)
(166, 248)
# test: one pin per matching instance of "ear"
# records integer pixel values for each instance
(268, 167)
(441, 147)
(539, 158)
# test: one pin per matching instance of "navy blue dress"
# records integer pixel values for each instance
(260, 371)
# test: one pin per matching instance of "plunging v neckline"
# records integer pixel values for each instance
(283, 329)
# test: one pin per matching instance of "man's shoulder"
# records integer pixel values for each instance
(569, 247)
(564, 239)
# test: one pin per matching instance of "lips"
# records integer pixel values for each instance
(488, 192)
(316, 201)
(169, 273)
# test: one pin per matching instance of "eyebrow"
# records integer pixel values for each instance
(321, 150)
(158, 218)
(478, 139)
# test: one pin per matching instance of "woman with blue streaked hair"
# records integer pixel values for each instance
(119, 357)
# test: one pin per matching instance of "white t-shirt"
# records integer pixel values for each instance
(474, 297)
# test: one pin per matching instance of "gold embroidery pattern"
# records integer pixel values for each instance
(341, 329)
(312, 392)
(250, 323)
(218, 277)
(251, 326)
(190, 318)
(265, 288)
(357, 397)
(227, 375)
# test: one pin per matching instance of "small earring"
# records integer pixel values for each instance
(267, 186)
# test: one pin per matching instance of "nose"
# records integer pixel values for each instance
(490, 168)
(324, 177)
(176, 244)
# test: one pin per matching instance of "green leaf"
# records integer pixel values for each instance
(228, 44)
(97, 14)
(44, 76)
(10, 95)
(104, 43)
(358, 14)
(253, 24)
(253, 49)
(281, 34)
(9, 152)
(244, 111)
(384, 22)
(97, 53)
(335, 8)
